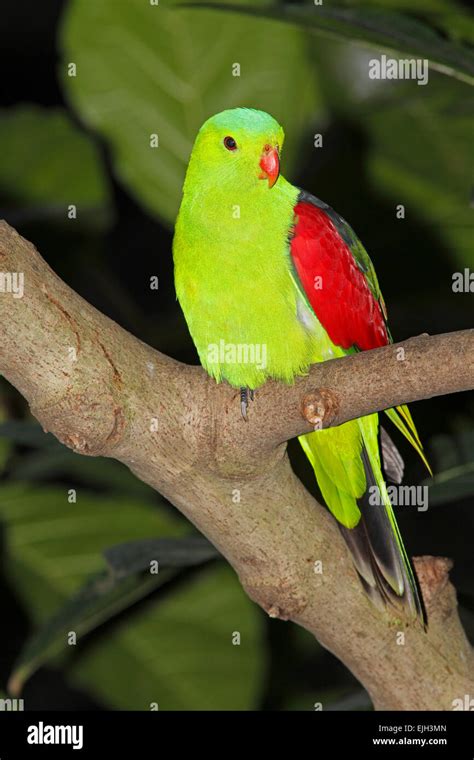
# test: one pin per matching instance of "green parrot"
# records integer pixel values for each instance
(272, 280)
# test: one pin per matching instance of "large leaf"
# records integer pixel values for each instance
(54, 546)
(379, 28)
(108, 593)
(136, 556)
(100, 599)
(412, 146)
(451, 485)
(47, 164)
(452, 17)
(144, 70)
(450, 451)
(454, 478)
(420, 154)
(178, 653)
(59, 463)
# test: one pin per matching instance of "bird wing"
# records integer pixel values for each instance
(335, 273)
(337, 276)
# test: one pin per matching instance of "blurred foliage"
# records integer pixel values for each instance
(163, 69)
(144, 70)
(106, 594)
(420, 147)
(54, 546)
(451, 17)
(379, 27)
(5, 444)
(181, 654)
(38, 146)
(455, 467)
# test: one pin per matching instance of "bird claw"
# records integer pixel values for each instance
(246, 394)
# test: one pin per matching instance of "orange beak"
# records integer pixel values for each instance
(270, 165)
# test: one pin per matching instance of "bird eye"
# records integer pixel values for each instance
(230, 143)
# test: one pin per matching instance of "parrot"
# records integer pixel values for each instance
(271, 280)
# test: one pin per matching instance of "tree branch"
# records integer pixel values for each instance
(100, 391)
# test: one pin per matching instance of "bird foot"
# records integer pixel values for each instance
(246, 395)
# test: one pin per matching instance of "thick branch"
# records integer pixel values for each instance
(100, 390)
(342, 389)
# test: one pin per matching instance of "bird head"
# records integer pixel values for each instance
(239, 147)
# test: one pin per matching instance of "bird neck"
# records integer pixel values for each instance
(228, 211)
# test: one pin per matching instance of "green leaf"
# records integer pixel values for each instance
(54, 546)
(451, 17)
(180, 653)
(144, 70)
(100, 599)
(135, 556)
(108, 593)
(451, 485)
(454, 478)
(378, 28)
(456, 449)
(60, 462)
(427, 168)
(418, 153)
(154, 656)
(47, 164)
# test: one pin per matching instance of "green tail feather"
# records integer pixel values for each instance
(346, 462)
(402, 419)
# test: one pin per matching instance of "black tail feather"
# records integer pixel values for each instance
(393, 464)
(379, 558)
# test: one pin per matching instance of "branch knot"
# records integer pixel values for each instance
(320, 408)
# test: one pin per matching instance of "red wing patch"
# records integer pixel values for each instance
(334, 285)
